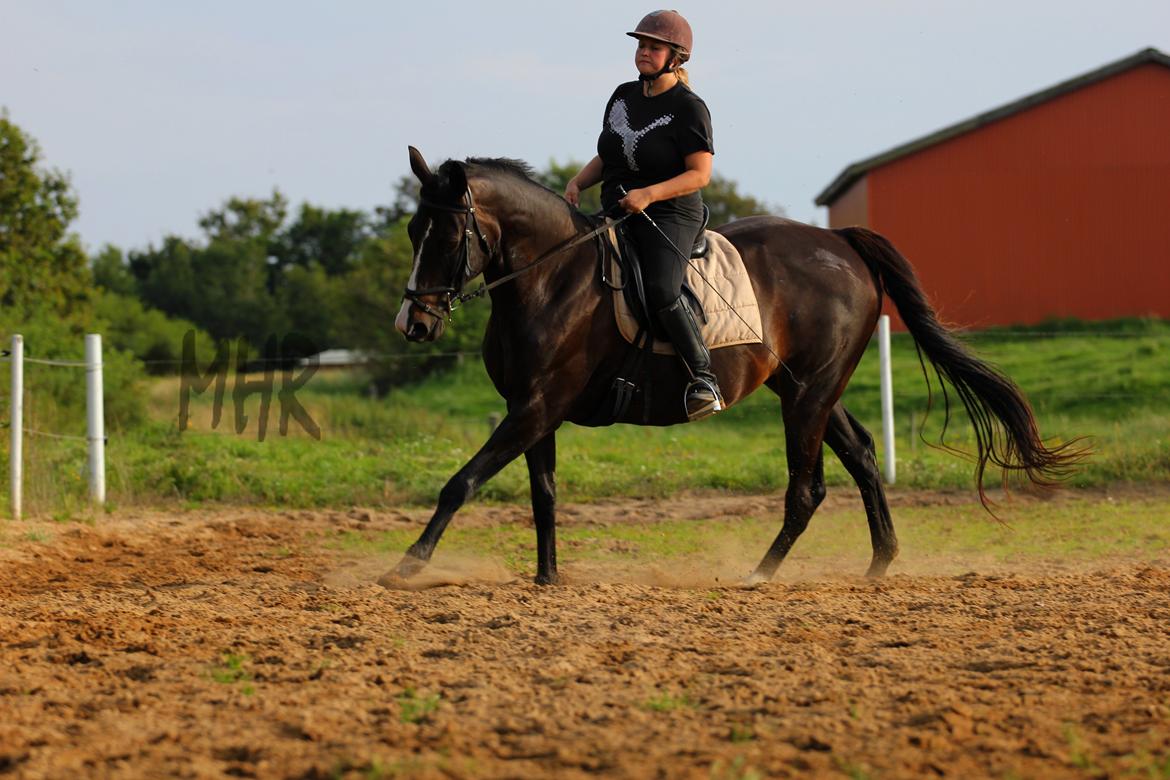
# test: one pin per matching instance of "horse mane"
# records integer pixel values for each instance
(519, 170)
(506, 164)
(526, 175)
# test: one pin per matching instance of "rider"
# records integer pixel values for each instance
(656, 145)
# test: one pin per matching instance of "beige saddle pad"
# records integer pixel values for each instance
(724, 289)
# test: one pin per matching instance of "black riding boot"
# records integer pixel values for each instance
(702, 396)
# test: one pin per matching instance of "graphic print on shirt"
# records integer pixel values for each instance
(619, 123)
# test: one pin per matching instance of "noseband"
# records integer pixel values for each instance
(462, 271)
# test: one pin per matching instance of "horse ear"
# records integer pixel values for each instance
(456, 176)
(419, 165)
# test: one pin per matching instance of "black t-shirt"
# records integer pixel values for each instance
(645, 140)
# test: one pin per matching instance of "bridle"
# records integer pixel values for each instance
(462, 271)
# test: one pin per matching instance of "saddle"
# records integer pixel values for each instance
(720, 293)
(716, 283)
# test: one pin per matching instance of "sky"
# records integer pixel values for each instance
(161, 111)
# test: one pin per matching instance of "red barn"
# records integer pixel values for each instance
(1056, 205)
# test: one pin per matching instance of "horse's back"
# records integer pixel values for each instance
(815, 292)
(796, 262)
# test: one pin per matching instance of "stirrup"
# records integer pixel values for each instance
(702, 399)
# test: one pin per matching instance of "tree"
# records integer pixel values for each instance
(728, 204)
(329, 240)
(228, 285)
(556, 177)
(45, 288)
(42, 266)
(406, 195)
(111, 271)
(246, 218)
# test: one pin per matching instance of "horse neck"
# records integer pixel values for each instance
(530, 224)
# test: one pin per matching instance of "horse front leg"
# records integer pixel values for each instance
(516, 433)
(542, 476)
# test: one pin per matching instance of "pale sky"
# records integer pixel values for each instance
(160, 111)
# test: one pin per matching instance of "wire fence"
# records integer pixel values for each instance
(95, 438)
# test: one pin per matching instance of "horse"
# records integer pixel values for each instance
(552, 349)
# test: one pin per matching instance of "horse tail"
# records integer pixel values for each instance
(1006, 433)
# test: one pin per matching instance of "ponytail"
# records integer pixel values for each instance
(683, 76)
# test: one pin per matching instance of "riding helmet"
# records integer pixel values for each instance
(669, 27)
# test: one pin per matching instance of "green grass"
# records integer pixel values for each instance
(1108, 381)
(1075, 530)
(413, 708)
(736, 770)
(667, 702)
(233, 669)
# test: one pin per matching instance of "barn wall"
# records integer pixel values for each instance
(1060, 210)
(852, 208)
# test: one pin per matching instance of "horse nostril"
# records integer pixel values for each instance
(417, 331)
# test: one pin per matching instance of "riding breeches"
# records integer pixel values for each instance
(662, 267)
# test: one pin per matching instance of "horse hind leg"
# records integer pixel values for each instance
(854, 446)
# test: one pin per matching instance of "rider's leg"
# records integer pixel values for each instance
(662, 274)
(702, 396)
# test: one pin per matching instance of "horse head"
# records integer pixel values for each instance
(451, 247)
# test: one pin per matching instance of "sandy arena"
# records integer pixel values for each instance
(239, 643)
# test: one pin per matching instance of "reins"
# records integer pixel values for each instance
(452, 291)
(559, 249)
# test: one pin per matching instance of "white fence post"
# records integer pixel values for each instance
(95, 417)
(16, 450)
(887, 385)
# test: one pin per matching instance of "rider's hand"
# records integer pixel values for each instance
(636, 200)
(573, 192)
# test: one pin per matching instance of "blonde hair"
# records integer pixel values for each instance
(683, 76)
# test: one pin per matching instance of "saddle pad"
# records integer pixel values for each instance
(723, 268)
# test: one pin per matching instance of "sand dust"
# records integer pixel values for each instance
(241, 643)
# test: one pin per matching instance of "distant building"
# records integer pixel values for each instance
(1056, 205)
(337, 358)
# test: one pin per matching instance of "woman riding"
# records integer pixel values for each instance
(653, 156)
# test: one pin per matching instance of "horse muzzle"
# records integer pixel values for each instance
(418, 325)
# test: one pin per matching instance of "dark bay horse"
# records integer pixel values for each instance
(552, 347)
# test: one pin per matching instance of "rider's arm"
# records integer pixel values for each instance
(585, 178)
(693, 179)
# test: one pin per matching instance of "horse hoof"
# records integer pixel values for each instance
(391, 581)
(756, 578)
(548, 579)
(406, 568)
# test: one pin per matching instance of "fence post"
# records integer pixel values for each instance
(887, 386)
(95, 417)
(16, 426)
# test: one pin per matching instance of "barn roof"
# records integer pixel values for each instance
(858, 169)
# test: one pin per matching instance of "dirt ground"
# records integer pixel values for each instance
(240, 643)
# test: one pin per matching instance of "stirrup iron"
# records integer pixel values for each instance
(702, 399)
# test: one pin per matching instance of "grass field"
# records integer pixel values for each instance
(1109, 382)
(1075, 531)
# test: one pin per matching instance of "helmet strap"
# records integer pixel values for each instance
(669, 67)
